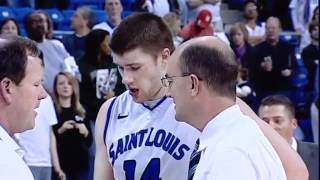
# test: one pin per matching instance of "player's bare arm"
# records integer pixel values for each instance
(102, 169)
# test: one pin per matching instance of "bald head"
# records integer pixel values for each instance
(274, 20)
(273, 29)
(213, 43)
(212, 61)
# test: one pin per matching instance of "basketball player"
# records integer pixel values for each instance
(137, 135)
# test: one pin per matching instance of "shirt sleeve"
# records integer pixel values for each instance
(52, 117)
(230, 165)
(294, 14)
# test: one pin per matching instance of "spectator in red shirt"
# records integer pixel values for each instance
(202, 26)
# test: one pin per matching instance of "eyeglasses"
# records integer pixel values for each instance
(167, 80)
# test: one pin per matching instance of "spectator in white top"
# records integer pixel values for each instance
(301, 15)
(195, 6)
(39, 144)
(21, 73)
(114, 10)
(256, 31)
(157, 7)
(55, 55)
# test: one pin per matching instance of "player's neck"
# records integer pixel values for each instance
(161, 92)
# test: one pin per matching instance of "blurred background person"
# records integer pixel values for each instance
(201, 26)
(213, 6)
(173, 21)
(239, 44)
(256, 30)
(114, 11)
(39, 144)
(100, 79)
(244, 88)
(311, 55)
(278, 111)
(301, 16)
(273, 62)
(10, 26)
(82, 22)
(56, 57)
(72, 130)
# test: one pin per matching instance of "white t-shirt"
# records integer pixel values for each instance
(12, 166)
(54, 59)
(297, 12)
(233, 147)
(36, 142)
(104, 26)
(161, 7)
(257, 31)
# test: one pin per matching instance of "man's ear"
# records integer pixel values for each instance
(294, 123)
(165, 54)
(6, 90)
(194, 85)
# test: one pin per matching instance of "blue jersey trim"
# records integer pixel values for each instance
(152, 108)
(107, 120)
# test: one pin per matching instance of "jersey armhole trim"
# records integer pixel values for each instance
(107, 121)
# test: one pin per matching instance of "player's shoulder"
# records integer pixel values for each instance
(123, 99)
(104, 109)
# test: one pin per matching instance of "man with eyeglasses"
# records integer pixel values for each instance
(201, 78)
(137, 135)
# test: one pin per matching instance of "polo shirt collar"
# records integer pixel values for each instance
(9, 142)
(216, 127)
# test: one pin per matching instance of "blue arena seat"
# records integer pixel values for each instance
(6, 12)
(290, 37)
(66, 23)
(55, 15)
(128, 5)
(100, 16)
(94, 4)
(21, 13)
(127, 13)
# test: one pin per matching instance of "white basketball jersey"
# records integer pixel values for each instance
(147, 143)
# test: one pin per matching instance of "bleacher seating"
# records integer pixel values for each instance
(5, 12)
(21, 13)
(94, 4)
(56, 16)
(126, 13)
(66, 23)
(128, 5)
(100, 15)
